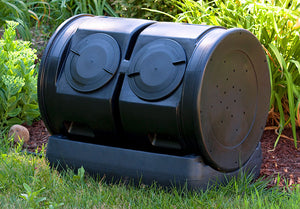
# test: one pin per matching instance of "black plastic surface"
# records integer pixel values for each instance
(229, 104)
(145, 167)
(92, 62)
(169, 88)
(156, 119)
(85, 105)
(157, 69)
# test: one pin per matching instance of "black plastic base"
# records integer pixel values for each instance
(117, 163)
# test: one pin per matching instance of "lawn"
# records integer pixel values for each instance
(27, 181)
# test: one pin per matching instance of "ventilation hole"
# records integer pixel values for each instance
(235, 162)
(246, 71)
(224, 61)
(225, 92)
(265, 60)
(211, 59)
(234, 101)
(211, 106)
(234, 70)
(221, 102)
(231, 116)
(236, 130)
(240, 90)
(227, 79)
(262, 128)
(227, 107)
(210, 150)
(217, 86)
(244, 113)
(240, 33)
(222, 121)
(233, 87)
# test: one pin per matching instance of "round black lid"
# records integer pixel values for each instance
(233, 99)
(92, 62)
(157, 69)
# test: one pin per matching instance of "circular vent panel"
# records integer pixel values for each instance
(92, 62)
(157, 69)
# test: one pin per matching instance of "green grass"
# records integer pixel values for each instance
(27, 181)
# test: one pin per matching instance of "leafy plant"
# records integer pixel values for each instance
(26, 13)
(277, 25)
(142, 9)
(63, 9)
(80, 175)
(31, 196)
(18, 78)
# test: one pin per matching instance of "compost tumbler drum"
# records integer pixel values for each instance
(202, 90)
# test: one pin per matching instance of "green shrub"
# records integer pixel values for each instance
(18, 78)
(277, 25)
(136, 9)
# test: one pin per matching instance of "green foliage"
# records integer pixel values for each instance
(277, 25)
(63, 9)
(32, 197)
(17, 11)
(50, 13)
(18, 78)
(138, 9)
(80, 175)
(23, 12)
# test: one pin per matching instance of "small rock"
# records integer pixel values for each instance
(19, 132)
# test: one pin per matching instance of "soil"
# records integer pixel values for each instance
(283, 161)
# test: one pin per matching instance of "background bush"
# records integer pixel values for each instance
(45, 16)
(136, 9)
(27, 13)
(63, 9)
(18, 79)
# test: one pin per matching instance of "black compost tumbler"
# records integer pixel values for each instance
(154, 101)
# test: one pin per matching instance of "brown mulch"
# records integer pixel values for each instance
(283, 161)
(38, 136)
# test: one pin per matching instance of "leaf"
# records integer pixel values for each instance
(27, 188)
(13, 121)
(24, 196)
(297, 63)
(40, 199)
(14, 112)
(81, 172)
(29, 107)
(2, 96)
(279, 57)
(12, 99)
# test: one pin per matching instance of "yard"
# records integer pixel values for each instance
(27, 180)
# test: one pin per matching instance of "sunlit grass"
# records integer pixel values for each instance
(27, 175)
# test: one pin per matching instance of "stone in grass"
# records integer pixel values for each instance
(19, 132)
